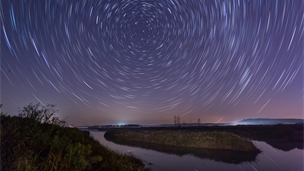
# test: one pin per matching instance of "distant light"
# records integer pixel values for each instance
(234, 123)
(121, 123)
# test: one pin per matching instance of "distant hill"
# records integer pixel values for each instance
(270, 121)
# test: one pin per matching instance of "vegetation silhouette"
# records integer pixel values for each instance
(36, 140)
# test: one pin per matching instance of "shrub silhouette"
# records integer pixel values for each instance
(41, 114)
(36, 140)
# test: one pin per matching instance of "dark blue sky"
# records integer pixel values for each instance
(144, 61)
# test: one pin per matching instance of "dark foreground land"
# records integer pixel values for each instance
(35, 140)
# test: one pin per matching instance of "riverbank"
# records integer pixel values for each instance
(181, 138)
(37, 141)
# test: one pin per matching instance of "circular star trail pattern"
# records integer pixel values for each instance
(157, 56)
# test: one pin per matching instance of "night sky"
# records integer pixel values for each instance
(144, 61)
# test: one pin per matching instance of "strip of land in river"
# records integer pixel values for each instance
(181, 138)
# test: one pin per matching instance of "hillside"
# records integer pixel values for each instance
(270, 121)
(37, 140)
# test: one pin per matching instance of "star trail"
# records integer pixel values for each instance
(145, 61)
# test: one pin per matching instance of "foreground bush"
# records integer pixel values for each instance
(36, 140)
(207, 140)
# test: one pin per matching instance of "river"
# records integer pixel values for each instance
(271, 159)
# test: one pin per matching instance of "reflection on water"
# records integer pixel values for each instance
(285, 145)
(227, 156)
(270, 158)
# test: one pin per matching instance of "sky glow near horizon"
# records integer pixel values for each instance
(144, 61)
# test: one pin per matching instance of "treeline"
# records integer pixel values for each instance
(36, 140)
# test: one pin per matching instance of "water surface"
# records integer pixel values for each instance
(270, 159)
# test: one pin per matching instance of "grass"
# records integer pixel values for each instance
(181, 138)
(36, 140)
(226, 156)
